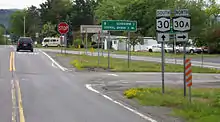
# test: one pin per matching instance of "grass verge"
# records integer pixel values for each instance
(205, 106)
(121, 65)
(151, 54)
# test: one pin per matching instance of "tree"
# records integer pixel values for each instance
(33, 21)
(110, 9)
(49, 30)
(17, 20)
(1, 35)
(54, 11)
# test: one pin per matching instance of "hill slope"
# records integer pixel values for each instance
(5, 16)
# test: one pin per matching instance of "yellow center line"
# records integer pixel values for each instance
(13, 102)
(10, 61)
(13, 61)
(20, 106)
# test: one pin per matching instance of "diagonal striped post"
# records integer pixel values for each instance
(188, 75)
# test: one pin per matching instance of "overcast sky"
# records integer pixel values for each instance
(20, 4)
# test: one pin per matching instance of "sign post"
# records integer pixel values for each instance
(120, 25)
(163, 29)
(188, 75)
(182, 25)
(98, 49)
(63, 29)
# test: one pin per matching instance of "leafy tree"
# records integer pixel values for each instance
(17, 23)
(1, 35)
(49, 30)
(33, 21)
(54, 11)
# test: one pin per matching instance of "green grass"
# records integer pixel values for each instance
(121, 65)
(151, 54)
(205, 106)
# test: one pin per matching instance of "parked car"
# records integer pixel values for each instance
(157, 48)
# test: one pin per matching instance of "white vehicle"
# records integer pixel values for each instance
(51, 42)
(190, 49)
(157, 48)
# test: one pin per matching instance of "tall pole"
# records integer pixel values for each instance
(24, 26)
(108, 46)
(184, 65)
(163, 65)
(128, 49)
(86, 41)
(98, 48)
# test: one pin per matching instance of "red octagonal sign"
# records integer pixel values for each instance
(63, 28)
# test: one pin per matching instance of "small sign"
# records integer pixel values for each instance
(182, 37)
(37, 35)
(163, 37)
(163, 13)
(182, 12)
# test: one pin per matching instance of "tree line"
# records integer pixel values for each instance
(204, 24)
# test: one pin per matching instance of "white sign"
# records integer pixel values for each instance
(181, 24)
(182, 37)
(91, 29)
(182, 12)
(36, 35)
(163, 13)
(163, 24)
(163, 37)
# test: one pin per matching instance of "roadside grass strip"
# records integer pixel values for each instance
(205, 105)
(82, 62)
(135, 53)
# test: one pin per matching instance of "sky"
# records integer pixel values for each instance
(19, 4)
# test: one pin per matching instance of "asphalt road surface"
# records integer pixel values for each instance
(39, 91)
(35, 88)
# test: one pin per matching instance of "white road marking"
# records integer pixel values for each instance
(89, 86)
(113, 75)
(53, 61)
(53, 65)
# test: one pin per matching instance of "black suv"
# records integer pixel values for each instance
(25, 43)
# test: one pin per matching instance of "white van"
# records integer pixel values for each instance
(51, 42)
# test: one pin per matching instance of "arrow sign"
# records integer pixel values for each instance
(163, 37)
(181, 37)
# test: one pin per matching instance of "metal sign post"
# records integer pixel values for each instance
(182, 25)
(102, 42)
(98, 48)
(202, 57)
(128, 48)
(86, 42)
(163, 29)
(108, 45)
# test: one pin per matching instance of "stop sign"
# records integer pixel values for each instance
(63, 28)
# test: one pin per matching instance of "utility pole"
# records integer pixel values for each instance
(24, 26)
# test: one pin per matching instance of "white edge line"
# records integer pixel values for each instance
(113, 75)
(89, 86)
(53, 61)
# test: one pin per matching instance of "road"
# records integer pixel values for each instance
(44, 93)
(35, 88)
(208, 63)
